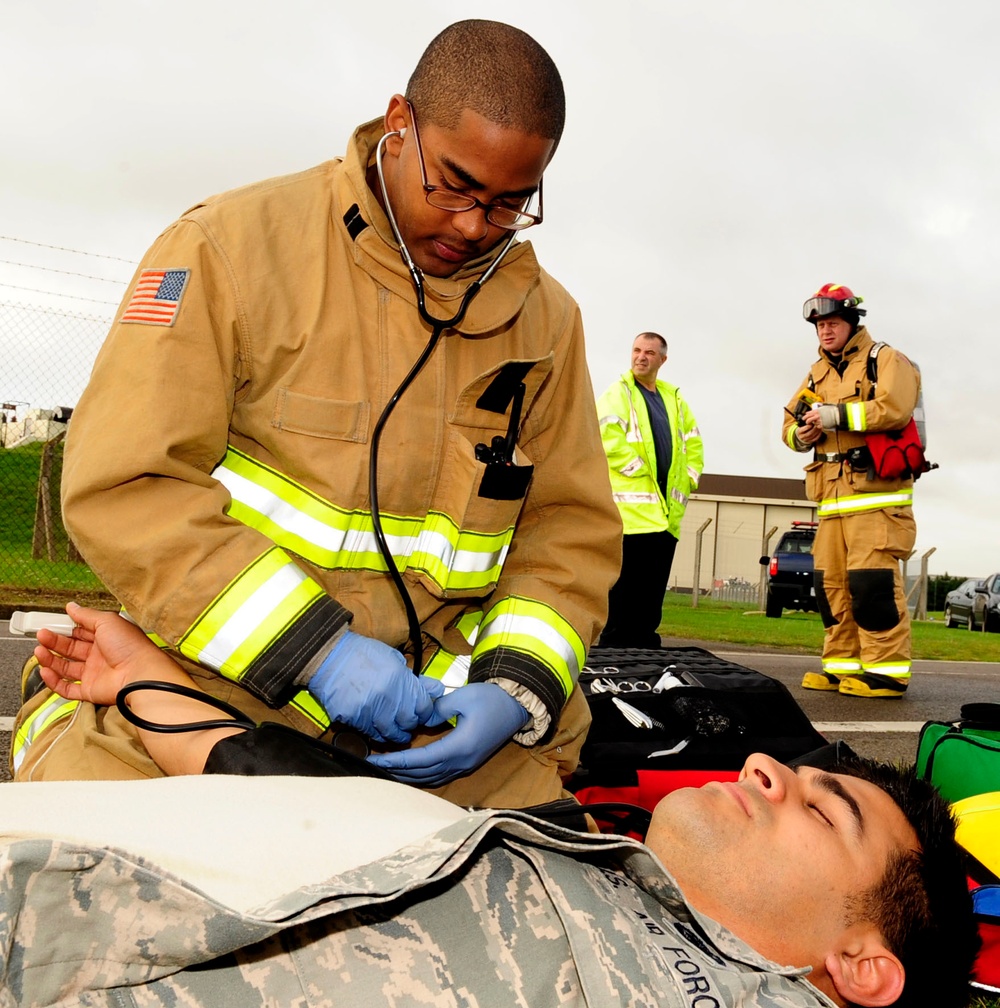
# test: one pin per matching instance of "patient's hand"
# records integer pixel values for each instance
(103, 654)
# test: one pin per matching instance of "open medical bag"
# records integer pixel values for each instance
(679, 717)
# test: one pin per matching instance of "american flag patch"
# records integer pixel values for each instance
(157, 297)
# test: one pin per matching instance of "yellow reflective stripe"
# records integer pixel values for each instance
(535, 629)
(894, 669)
(856, 419)
(841, 665)
(231, 632)
(334, 538)
(451, 669)
(863, 502)
(54, 709)
(468, 624)
(455, 558)
(306, 704)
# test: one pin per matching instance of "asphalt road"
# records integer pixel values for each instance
(883, 729)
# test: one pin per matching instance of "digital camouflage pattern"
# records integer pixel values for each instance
(493, 910)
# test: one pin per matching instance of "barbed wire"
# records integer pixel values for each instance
(62, 248)
(36, 309)
(51, 269)
(75, 297)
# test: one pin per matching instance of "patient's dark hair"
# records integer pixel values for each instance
(493, 69)
(921, 905)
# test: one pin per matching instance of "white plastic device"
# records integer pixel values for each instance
(27, 623)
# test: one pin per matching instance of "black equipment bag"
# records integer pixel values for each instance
(719, 714)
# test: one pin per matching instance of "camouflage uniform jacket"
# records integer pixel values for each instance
(491, 909)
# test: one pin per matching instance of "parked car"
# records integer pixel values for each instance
(790, 571)
(975, 604)
(958, 604)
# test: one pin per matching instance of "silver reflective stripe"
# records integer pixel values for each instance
(895, 670)
(334, 538)
(628, 497)
(613, 419)
(219, 650)
(509, 626)
(52, 710)
(841, 665)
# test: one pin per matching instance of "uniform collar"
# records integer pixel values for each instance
(854, 347)
(376, 251)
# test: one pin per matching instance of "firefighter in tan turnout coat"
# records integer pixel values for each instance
(866, 523)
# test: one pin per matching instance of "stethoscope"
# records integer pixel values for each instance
(438, 326)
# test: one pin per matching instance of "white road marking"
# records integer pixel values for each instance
(868, 726)
(6, 724)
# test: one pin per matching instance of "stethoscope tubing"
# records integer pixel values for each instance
(438, 326)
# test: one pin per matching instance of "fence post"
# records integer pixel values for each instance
(921, 606)
(43, 536)
(696, 587)
(765, 550)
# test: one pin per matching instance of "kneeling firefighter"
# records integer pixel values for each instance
(856, 397)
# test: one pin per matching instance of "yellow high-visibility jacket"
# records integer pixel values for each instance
(217, 465)
(627, 436)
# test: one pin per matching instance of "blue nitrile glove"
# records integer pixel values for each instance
(366, 684)
(488, 717)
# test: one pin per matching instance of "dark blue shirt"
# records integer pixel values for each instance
(662, 441)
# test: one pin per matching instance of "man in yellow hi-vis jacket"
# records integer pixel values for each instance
(865, 519)
(219, 474)
(655, 457)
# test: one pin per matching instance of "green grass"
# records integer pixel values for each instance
(25, 580)
(741, 623)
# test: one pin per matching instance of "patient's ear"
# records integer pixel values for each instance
(868, 974)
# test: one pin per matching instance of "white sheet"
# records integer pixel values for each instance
(242, 840)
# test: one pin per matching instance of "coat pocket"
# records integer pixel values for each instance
(316, 416)
(815, 480)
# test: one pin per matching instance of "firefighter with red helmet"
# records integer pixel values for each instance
(866, 521)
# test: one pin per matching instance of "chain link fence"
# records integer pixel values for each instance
(46, 359)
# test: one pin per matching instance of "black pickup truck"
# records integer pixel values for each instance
(790, 571)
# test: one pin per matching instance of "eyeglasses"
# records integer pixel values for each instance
(497, 214)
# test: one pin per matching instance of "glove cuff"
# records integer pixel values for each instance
(526, 672)
(538, 717)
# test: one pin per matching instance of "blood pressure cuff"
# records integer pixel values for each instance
(273, 749)
(264, 750)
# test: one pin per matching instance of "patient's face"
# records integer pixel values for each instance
(777, 856)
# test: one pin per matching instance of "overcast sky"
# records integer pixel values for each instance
(721, 161)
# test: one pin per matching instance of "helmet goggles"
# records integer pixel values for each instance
(820, 307)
